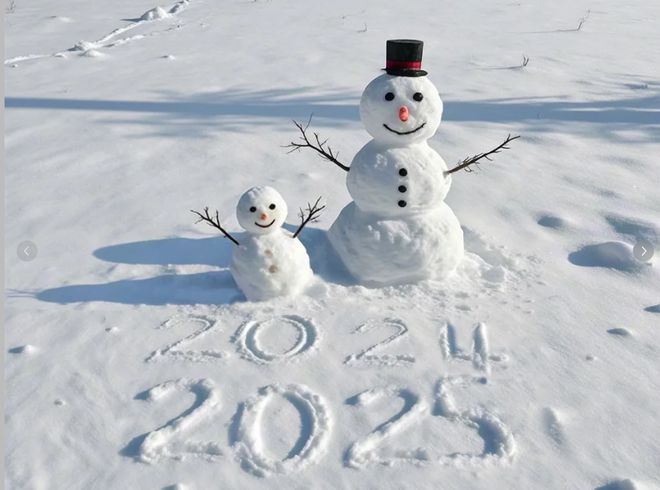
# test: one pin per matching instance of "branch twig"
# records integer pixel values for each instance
(326, 153)
(474, 160)
(214, 223)
(311, 214)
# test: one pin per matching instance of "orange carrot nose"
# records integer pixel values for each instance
(263, 216)
(403, 113)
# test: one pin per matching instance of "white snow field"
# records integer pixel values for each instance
(132, 359)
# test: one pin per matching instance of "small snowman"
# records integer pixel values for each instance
(398, 229)
(268, 261)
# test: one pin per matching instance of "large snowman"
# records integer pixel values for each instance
(398, 229)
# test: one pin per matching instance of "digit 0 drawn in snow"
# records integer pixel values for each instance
(160, 442)
(480, 355)
(364, 452)
(315, 431)
(248, 342)
(367, 356)
(499, 443)
(91, 48)
(174, 351)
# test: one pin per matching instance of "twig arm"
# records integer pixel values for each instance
(317, 145)
(215, 223)
(310, 215)
(474, 160)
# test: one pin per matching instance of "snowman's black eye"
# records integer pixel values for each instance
(418, 96)
(272, 206)
(389, 96)
(253, 209)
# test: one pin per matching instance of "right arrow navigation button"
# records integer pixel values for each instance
(643, 250)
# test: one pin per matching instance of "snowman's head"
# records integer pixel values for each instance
(401, 110)
(261, 210)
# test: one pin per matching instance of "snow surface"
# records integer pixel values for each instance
(149, 370)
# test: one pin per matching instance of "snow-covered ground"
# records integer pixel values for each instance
(132, 360)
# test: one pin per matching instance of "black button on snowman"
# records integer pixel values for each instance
(398, 229)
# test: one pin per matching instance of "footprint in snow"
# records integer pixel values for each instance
(23, 349)
(620, 332)
(551, 221)
(612, 255)
(619, 485)
(553, 425)
(632, 227)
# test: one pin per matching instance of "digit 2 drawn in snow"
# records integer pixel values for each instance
(499, 443)
(160, 443)
(480, 355)
(316, 428)
(367, 356)
(365, 451)
(249, 346)
(174, 351)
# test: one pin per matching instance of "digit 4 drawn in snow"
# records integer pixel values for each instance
(480, 355)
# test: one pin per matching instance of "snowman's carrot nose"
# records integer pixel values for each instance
(263, 216)
(403, 113)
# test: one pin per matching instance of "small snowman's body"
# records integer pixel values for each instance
(268, 262)
(267, 266)
(398, 228)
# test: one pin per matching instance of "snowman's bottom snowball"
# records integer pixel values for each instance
(269, 266)
(388, 251)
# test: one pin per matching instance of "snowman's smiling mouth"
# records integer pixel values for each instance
(264, 226)
(404, 132)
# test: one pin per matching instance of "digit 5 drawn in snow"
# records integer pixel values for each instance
(315, 431)
(499, 443)
(364, 452)
(160, 443)
(173, 351)
(367, 356)
(480, 355)
(248, 341)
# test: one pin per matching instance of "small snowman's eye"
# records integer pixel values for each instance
(389, 96)
(253, 209)
(418, 96)
(272, 206)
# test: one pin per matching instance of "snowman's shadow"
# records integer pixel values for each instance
(323, 259)
(210, 287)
(213, 287)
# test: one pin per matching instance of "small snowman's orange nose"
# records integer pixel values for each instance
(403, 113)
(263, 217)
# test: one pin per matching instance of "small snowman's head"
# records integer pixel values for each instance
(400, 110)
(261, 210)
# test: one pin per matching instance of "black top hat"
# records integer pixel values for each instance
(404, 58)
